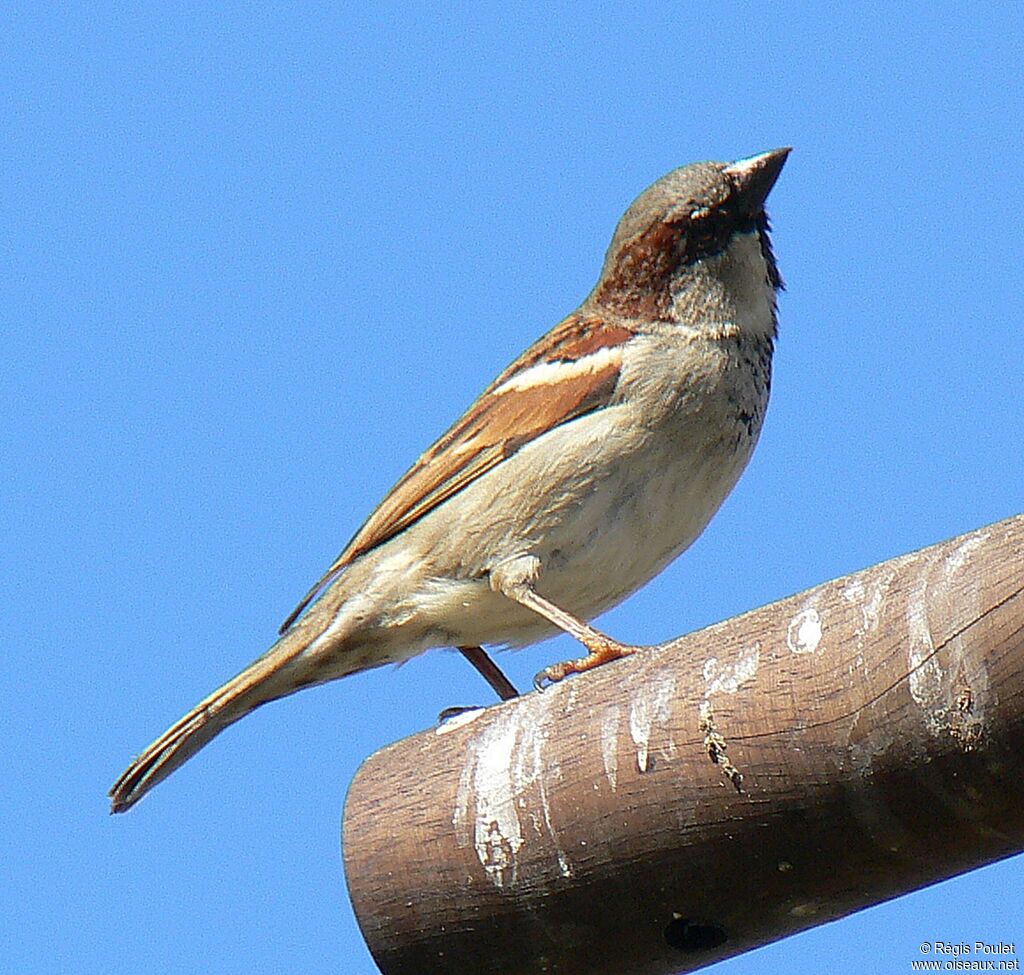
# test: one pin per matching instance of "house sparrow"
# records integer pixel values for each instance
(586, 467)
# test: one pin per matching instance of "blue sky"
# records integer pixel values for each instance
(256, 259)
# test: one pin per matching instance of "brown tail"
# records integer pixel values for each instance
(265, 679)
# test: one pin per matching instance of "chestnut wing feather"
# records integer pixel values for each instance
(510, 413)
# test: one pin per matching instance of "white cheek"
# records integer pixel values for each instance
(745, 274)
(728, 294)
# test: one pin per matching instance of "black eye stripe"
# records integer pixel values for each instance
(708, 234)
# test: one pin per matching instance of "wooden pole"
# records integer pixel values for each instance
(715, 793)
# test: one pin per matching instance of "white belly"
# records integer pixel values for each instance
(621, 521)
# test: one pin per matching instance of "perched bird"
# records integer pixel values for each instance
(589, 464)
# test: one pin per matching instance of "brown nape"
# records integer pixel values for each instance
(637, 285)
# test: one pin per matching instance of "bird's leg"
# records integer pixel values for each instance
(601, 648)
(515, 580)
(490, 672)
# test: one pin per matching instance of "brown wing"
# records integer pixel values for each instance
(516, 408)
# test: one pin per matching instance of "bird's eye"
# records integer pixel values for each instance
(703, 224)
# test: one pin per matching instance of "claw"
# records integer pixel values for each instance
(448, 713)
(554, 674)
(542, 680)
(601, 655)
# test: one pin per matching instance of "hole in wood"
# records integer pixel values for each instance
(689, 935)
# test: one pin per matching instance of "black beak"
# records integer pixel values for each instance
(754, 177)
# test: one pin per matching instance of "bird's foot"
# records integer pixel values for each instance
(601, 652)
(448, 713)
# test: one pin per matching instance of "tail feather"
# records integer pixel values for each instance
(265, 679)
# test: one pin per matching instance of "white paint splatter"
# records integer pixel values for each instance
(854, 590)
(610, 745)
(951, 697)
(503, 789)
(650, 703)
(925, 673)
(956, 560)
(804, 633)
(530, 770)
(872, 609)
(497, 832)
(727, 679)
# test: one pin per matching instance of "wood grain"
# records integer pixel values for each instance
(715, 793)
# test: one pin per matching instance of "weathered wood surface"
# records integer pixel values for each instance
(875, 725)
